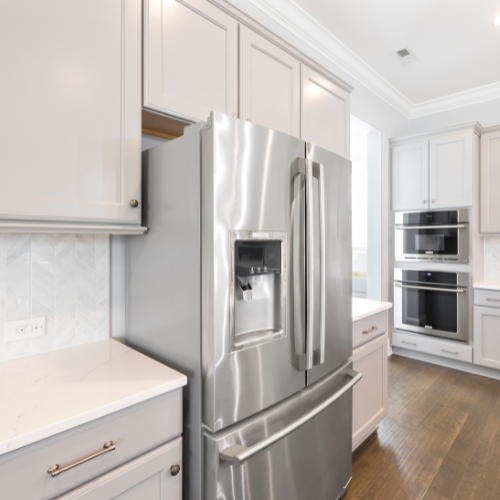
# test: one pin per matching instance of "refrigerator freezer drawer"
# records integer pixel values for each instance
(312, 460)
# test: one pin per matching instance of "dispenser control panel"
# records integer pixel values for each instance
(257, 257)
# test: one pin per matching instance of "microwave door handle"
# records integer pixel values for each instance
(456, 226)
(237, 453)
(432, 289)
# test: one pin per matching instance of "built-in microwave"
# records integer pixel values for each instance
(432, 303)
(441, 235)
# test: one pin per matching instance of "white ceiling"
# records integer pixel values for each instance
(456, 44)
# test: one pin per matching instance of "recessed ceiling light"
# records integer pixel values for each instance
(496, 22)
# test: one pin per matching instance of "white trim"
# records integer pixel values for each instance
(448, 363)
(297, 21)
(53, 228)
(475, 125)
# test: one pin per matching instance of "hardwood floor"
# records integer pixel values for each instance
(440, 441)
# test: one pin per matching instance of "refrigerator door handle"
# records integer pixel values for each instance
(237, 453)
(310, 170)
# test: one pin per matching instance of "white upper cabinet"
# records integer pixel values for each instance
(325, 113)
(190, 59)
(410, 176)
(450, 171)
(490, 182)
(269, 84)
(70, 97)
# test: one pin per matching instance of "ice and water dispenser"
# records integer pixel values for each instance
(258, 288)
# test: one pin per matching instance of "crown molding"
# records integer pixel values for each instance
(472, 126)
(301, 24)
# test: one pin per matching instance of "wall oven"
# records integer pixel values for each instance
(434, 235)
(432, 303)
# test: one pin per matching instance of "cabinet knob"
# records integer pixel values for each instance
(175, 469)
(248, 120)
(433, 201)
(424, 201)
(134, 203)
(235, 115)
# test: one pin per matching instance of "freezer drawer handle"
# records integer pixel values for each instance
(458, 226)
(237, 454)
(432, 289)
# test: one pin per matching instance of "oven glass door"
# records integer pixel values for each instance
(431, 241)
(432, 310)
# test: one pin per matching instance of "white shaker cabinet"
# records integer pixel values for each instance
(487, 327)
(70, 95)
(325, 112)
(410, 176)
(269, 84)
(190, 59)
(370, 396)
(490, 182)
(450, 171)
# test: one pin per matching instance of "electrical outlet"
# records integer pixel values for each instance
(24, 329)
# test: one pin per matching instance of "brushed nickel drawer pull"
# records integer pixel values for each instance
(449, 352)
(409, 343)
(373, 328)
(495, 300)
(55, 470)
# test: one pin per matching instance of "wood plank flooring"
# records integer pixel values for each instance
(440, 441)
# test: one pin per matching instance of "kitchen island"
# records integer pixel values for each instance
(370, 342)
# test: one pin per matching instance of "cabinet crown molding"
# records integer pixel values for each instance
(475, 126)
(494, 128)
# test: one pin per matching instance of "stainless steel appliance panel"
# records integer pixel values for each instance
(313, 461)
(338, 264)
(430, 308)
(246, 189)
(430, 236)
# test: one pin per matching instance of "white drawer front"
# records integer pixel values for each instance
(134, 431)
(487, 298)
(420, 343)
(367, 329)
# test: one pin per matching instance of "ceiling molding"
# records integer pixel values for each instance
(475, 126)
(300, 23)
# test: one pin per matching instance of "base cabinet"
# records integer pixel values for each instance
(370, 396)
(152, 476)
(487, 336)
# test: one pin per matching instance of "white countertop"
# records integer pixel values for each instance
(364, 308)
(45, 394)
(487, 285)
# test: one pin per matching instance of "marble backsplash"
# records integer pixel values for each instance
(65, 277)
(492, 258)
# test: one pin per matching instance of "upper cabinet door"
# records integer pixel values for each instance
(410, 176)
(190, 59)
(324, 113)
(490, 182)
(70, 99)
(450, 171)
(269, 84)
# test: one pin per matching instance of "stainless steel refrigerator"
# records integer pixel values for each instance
(243, 283)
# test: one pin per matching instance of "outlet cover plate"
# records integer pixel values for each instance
(24, 329)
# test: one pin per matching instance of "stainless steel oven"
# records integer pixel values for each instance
(432, 302)
(441, 235)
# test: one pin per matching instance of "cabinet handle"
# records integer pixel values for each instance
(409, 343)
(175, 469)
(449, 352)
(248, 120)
(495, 300)
(55, 470)
(373, 328)
(424, 202)
(134, 203)
(235, 115)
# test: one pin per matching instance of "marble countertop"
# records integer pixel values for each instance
(364, 308)
(487, 285)
(45, 394)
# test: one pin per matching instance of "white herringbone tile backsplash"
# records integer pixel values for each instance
(64, 277)
(492, 258)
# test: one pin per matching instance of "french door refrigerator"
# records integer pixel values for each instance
(243, 283)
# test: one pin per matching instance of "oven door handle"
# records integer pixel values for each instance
(457, 226)
(432, 289)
